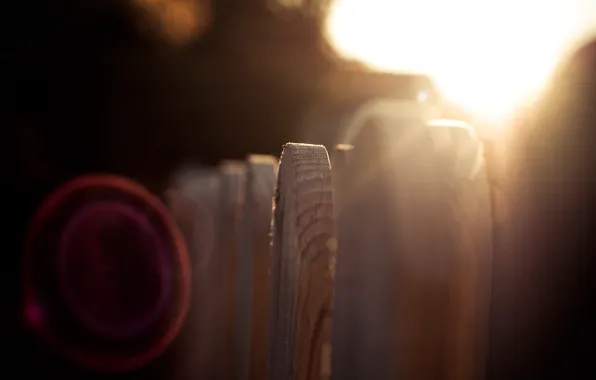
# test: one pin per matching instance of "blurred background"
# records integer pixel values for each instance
(141, 86)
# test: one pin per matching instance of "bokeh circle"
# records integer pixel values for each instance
(106, 273)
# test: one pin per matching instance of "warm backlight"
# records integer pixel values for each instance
(487, 56)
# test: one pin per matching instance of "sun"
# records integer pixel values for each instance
(487, 56)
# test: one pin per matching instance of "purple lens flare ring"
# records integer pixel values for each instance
(164, 245)
(152, 245)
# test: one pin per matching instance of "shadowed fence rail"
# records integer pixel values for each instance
(371, 262)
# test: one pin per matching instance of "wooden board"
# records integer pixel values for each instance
(303, 266)
(194, 201)
(253, 267)
(463, 182)
(225, 266)
(394, 258)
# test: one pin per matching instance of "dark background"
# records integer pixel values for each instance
(106, 85)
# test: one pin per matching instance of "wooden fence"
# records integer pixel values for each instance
(370, 262)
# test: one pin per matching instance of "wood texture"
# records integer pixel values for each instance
(233, 177)
(194, 201)
(303, 266)
(253, 267)
(394, 258)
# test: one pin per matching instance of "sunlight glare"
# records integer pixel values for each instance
(486, 56)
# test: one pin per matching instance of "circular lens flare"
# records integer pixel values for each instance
(82, 199)
(120, 287)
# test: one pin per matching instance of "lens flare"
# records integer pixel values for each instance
(106, 276)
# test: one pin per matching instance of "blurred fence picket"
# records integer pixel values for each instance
(193, 200)
(233, 177)
(393, 260)
(254, 263)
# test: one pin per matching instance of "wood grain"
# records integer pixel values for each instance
(233, 177)
(303, 266)
(194, 201)
(254, 265)
(394, 258)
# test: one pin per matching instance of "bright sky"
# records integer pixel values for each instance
(485, 55)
